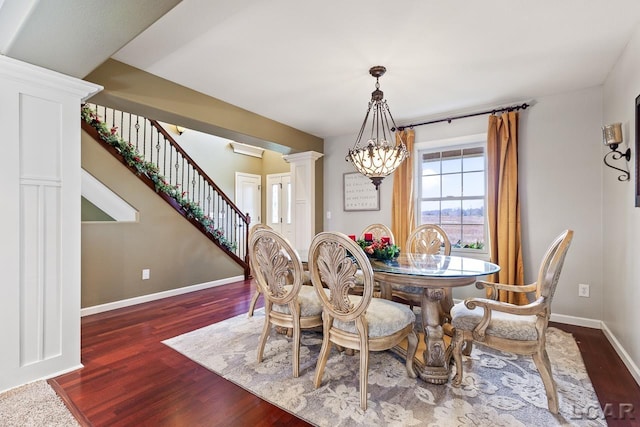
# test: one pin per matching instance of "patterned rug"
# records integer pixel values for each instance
(499, 389)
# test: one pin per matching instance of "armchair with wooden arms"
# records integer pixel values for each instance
(519, 329)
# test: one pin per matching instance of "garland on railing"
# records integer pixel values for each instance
(133, 158)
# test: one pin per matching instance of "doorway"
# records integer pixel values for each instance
(279, 204)
(248, 197)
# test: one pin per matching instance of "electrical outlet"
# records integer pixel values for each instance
(583, 290)
(146, 273)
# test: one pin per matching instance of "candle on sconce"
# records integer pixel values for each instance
(385, 239)
(352, 237)
(368, 236)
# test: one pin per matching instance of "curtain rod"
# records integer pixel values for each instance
(464, 116)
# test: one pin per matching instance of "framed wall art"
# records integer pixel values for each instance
(359, 193)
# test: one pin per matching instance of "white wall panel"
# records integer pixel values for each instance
(303, 186)
(40, 278)
(40, 249)
(40, 141)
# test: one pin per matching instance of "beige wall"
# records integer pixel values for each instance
(560, 166)
(218, 160)
(90, 212)
(621, 222)
(133, 90)
(114, 253)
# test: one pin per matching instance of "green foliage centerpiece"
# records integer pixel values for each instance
(379, 249)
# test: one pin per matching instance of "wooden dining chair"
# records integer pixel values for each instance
(427, 239)
(288, 303)
(257, 293)
(351, 321)
(519, 329)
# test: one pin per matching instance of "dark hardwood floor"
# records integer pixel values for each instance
(131, 379)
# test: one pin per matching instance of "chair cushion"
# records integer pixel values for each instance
(503, 325)
(310, 304)
(383, 316)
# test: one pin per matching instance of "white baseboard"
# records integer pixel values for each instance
(46, 377)
(159, 295)
(598, 324)
(576, 321)
(626, 359)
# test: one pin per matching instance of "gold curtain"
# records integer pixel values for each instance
(402, 203)
(504, 203)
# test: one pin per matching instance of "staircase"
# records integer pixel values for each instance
(150, 152)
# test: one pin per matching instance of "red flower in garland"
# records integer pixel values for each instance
(382, 249)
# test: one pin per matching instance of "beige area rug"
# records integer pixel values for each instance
(499, 389)
(34, 405)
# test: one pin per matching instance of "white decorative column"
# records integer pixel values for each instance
(303, 183)
(39, 222)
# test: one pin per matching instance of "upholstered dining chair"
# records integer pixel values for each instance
(519, 329)
(378, 231)
(426, 239)
(257, 293)
(351, 321)
(287, 303)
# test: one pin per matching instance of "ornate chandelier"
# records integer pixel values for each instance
(379, 155)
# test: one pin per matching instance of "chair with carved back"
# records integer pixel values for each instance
(358, 322)
(426, 239)
(519, 329)
(257, 293)
(287, 302)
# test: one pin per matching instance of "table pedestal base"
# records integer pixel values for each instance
(435, 352)
(430, 374)
(436, 363)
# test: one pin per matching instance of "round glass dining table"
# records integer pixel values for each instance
(432, 273)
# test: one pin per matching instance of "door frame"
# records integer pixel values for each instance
(259, 193)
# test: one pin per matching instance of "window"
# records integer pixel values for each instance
(452, 193)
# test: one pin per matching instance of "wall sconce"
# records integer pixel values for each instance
(180, 130)
(612, 136)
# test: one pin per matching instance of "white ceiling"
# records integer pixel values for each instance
(73, 36)
(306, 63)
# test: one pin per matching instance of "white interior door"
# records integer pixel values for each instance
(248, 197)
(279, 204)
